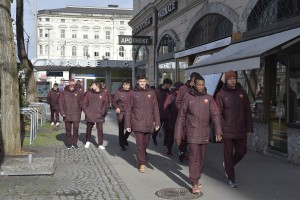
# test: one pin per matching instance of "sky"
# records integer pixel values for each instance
(51, 4)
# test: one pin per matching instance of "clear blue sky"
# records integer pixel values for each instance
(51, 4)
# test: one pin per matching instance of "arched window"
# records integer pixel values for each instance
(267, 12)
(62, 50)
(209, 28)
(107, 52)
(46, 49)
(86, 51)
(166, 45)
(74, 51)
(41, 50)
(141, 55)
(121, 51)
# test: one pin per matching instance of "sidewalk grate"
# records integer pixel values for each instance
(177, 193)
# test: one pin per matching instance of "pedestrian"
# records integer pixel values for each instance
(162, 92)
(53, 101)
(141, 114)
(197, 109)
(183, 90)
(235, 111)
(70, 106)
(107, 92)
(78, 86)
(119, 103)
(172, 110)
(95, 107)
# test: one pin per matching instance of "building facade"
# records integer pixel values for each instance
(82, 43)
(257, 38)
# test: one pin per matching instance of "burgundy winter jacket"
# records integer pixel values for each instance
(79, 87)
(53, 98)
(171, 108)
(142, 113)
(119, 101)
(161, 95)
(196, 112)
(183, 90)
(235, 111)
(95, 106)
(70, 104)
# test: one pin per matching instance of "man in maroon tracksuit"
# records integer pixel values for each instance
(70, 106)
(171, 108)
(196, 111)
(53, 101)
(161, 93)
(95, 107)
(141, 114)
(183, 90)
(236, 118)
(119, 102)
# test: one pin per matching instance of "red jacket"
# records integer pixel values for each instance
(171, 108)
(142, 111)
(95, 106)
(183, 90)
(53, 98)
(161, 95)
(70, 104)
(235, 111)
(119, 101)
(196, 112)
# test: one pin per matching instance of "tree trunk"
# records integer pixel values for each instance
(10, 106)
(31, 92)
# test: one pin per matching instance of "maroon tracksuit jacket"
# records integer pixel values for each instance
(119, 101)
(53, 98)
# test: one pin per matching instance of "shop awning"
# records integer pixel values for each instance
(245, 55)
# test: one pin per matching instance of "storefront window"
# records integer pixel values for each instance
(141, 55)
(182, 65)
(166, 70)
(166, 45)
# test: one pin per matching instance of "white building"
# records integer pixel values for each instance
(82, 42)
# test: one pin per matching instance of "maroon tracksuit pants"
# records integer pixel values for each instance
(122, 136)
(56, 112)
(71, 139)
(196, 160)
(142, 140)
(234, 151)
(89, 127)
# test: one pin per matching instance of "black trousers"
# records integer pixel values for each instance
(122, 136)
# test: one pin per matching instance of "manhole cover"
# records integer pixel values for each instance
(177, 193)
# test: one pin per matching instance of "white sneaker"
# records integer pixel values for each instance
(52, 123)
(57, 124)
(87, 144)
(101, 147)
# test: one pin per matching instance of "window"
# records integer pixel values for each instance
(121, 22)
(41, 50)
(107, 35)
(62, 33)
(74, 51)
(47, 20)
(47, 34)
(40, 32)
(141, 55)
(62, 50)
(62, 20)
(47, 50)
(96, 34)
(121, 32)
(166, 45)
(86, 51)
(40, 19)
(85, 34)
(107, 54)
(121, 51)
(96, 54)
(74, 34)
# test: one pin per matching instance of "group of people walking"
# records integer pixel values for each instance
(185, 112)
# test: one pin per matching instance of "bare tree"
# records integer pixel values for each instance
(31, 92)
(10, 106)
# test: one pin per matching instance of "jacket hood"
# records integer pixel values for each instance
(54, 90)
(187, 83)
(226, 88)
(196, 93)
(160, 87)
(138, 88)
(122, 90)
(67, 88)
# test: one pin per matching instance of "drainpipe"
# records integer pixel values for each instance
(155, 21)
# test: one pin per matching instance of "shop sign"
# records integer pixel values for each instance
(142, 26)
(171, 7)
(134, 40)
(55, 73)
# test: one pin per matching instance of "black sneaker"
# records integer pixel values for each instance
(75, 146)
(68, 146)
(181, 156)
(126, 143)
(123, 148)
(154, 140)
(232, 184)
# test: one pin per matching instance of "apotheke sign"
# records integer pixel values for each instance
(134, 40)
(171, 7)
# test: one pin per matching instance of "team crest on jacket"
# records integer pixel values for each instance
(100, 97)
(149, 95)
(205, 100)
(241, 96)
(75, 94)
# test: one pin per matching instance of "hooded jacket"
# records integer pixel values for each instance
(53, 98)
(119, 101)
(196, 112)
(95, 106)
(70, 104)
(161, 95)
(142, 112)
(235, 111)
(183, 90)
